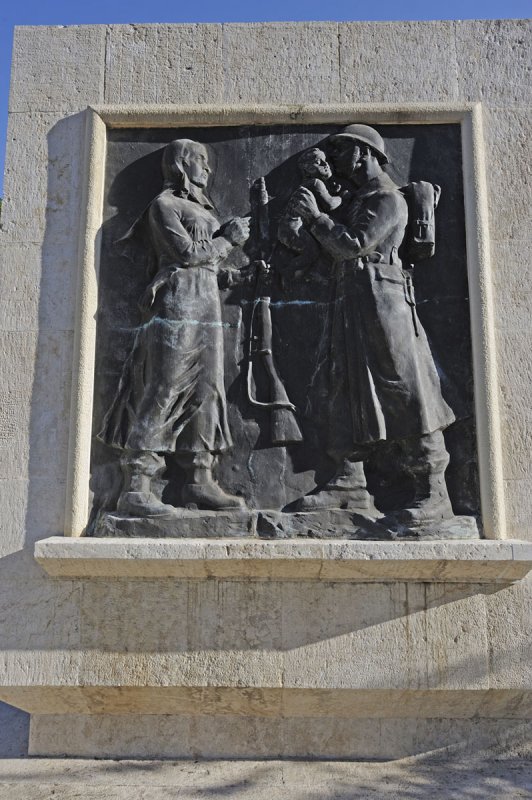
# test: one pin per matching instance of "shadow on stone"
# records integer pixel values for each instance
(14, 732)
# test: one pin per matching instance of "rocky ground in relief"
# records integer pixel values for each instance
(334, 523)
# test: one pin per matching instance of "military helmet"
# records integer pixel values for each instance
(365, 134)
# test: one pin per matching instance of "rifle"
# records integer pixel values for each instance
(284, 426)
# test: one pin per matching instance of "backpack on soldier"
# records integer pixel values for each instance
(419, 243)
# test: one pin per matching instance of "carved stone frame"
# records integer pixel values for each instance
(469, 117)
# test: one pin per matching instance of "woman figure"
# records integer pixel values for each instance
(171, 398)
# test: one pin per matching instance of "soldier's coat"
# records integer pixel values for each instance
(383, 380)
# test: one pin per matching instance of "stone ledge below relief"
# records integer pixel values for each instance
(480, 561)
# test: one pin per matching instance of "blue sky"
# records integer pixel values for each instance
(61, 12)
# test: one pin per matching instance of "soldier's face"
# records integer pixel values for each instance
(345, 156)
(197, 167)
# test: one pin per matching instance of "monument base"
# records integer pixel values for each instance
(334, 523)
(184, 523)
(206, 736)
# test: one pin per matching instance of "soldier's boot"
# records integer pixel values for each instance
(347, 489)
(431, 502)
(137, 498)
(201, 489)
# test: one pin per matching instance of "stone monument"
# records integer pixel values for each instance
(265, 413)
(329, 259)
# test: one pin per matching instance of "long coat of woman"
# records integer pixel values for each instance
(171, 397)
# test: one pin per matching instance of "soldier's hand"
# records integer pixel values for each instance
(303, 204)
(237, 230)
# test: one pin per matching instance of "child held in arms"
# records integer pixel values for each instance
(304, 249)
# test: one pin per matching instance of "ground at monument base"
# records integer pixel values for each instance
(334, 523)
(482, 775)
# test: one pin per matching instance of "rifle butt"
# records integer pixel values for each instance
(285, 427)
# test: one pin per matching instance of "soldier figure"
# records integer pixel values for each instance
(384, 385)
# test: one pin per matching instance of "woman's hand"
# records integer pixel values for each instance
(236, 230)
(147, 298)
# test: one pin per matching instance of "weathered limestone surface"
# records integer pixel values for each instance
(393, 62)
(158, 63)
(260, 662)
(302, 63)
(226, 737)
(493, 59)
(57, 68)
(355, 561)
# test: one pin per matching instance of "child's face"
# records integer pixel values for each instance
(318, 167)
